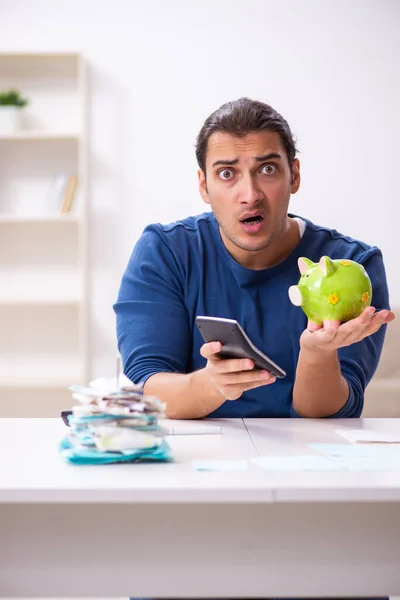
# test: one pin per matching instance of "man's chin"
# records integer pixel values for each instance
(247, 242)
(252, 245)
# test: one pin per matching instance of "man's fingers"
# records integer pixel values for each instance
(369, 321)
(311, 326)
(234, 391)
(225, 365)
(367, 314)
(210, 349)
(234, 365)
(243, 377)
(352, 331)
(391, 317)
(321, 336)
(385, 316)
(379, 319)
(360, 323)
(331, 324)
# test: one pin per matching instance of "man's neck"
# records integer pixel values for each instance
(271, 256)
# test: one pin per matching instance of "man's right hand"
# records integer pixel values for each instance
(231, 377)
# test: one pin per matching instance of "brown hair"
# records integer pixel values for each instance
(241, 117)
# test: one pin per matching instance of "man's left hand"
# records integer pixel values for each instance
(333, 335)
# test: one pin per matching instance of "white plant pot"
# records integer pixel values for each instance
(10, 119)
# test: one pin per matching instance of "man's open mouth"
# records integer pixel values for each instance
(252, 224)
(253, 220)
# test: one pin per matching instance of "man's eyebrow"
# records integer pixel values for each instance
(236, 160)
(225, 162)
(268, 156)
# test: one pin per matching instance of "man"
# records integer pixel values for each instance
(238, 262)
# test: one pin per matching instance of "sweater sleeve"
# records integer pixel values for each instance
(359, 361)
(152, 321)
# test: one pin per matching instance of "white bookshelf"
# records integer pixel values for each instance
(55, 219)
(43, 254)
(38, 136)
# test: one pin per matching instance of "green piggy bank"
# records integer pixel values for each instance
(331, 289)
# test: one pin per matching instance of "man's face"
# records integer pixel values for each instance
(248, 184)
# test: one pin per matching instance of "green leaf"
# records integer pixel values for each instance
(12, 97)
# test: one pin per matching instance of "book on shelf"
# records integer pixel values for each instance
(69, 195)
(62, 193)
(57, 191)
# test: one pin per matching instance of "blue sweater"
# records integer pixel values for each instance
(182, 270)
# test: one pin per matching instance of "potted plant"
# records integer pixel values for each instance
(11, 105)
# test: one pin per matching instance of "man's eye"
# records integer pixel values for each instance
(225, 174)
(268, 169)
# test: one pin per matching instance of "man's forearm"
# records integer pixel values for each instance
(320, 389)
(190, 396)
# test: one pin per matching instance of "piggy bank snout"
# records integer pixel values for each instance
(295, 295)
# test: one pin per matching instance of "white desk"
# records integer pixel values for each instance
(164, 530)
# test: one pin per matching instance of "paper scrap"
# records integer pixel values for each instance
(368, 463)
(308, 462)
(220, 465)
(347, 450)
(193, 429)
(364, 436)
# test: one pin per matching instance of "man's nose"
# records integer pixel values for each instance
(250, 192)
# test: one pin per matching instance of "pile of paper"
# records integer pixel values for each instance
(119, 425)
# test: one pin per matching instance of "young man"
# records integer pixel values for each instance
(238, 262)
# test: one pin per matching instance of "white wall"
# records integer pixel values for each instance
(158, 68)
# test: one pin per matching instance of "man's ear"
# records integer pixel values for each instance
(295, 176)
(203, 186)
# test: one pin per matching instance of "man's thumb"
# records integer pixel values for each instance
(210, 349)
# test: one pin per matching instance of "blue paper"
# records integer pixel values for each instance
(90, 456)
(368, 463)
(220, 465)
(344, 450)
(308, 462)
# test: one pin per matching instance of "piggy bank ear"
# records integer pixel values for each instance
(304, 264)
(327, 266)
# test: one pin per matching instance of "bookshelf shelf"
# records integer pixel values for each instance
(38, 219)
(44, 267)
(42, 56)
(38, 300)
(39, 378)
(39, 288)
(26, 136)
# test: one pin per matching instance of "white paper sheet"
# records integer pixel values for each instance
(308, 462)
(356, 436)
(347, 450)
